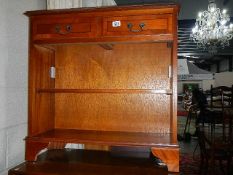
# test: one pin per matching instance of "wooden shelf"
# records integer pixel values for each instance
(119, 91)
(110, 138)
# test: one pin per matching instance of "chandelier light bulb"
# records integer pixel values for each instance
(225, 30)
(194, 30)
(212, 9)
(212, 29)
(223, 22)
(199, 14)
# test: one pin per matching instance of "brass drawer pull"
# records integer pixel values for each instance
(130, 27)
(67, 30)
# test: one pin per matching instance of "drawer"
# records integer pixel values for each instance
(138, 25)
(64, 27)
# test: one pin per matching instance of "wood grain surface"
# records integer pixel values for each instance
(152, 24)
(110, 138)
(113, 112)
(41, 106)
(92, 67)
(82, 162)
(170, 156)
(95, 25)
(112, 85)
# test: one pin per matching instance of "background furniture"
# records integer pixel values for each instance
(216, 144)
(104, 77)
(212, 151)
(221, 97)
(216, 141)
(89, 163)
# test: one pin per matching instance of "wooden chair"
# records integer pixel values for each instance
(227, 125)
(210, 152)
(215, 141)
(221, 97)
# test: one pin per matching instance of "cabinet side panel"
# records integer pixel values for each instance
(174, 79)
(148, 113)
(41, 108)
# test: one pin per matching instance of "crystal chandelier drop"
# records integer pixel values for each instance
(212, 29)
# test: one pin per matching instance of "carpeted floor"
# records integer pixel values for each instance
(190, 166)
(190, 159)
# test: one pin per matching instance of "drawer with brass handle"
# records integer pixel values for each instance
(137, 25)
(64, 28)
(67, 29)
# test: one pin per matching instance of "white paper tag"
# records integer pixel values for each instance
(52, 72)
(116, 23)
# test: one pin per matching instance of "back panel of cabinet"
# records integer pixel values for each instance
(114, 112)
(126, 66)
(114, 90)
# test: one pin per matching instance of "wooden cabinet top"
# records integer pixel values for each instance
(156, 8)
(148, 23)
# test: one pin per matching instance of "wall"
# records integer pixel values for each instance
(180, 85)
(204, 84)
(13, 79)
(223, 79)
(223, 65)
(59, 4)
(220, 79)
(213, 68)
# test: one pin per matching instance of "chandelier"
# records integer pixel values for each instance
(212, 29)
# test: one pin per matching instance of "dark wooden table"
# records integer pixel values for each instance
(84, 162)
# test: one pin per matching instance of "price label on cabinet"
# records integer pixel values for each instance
(116, 23)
